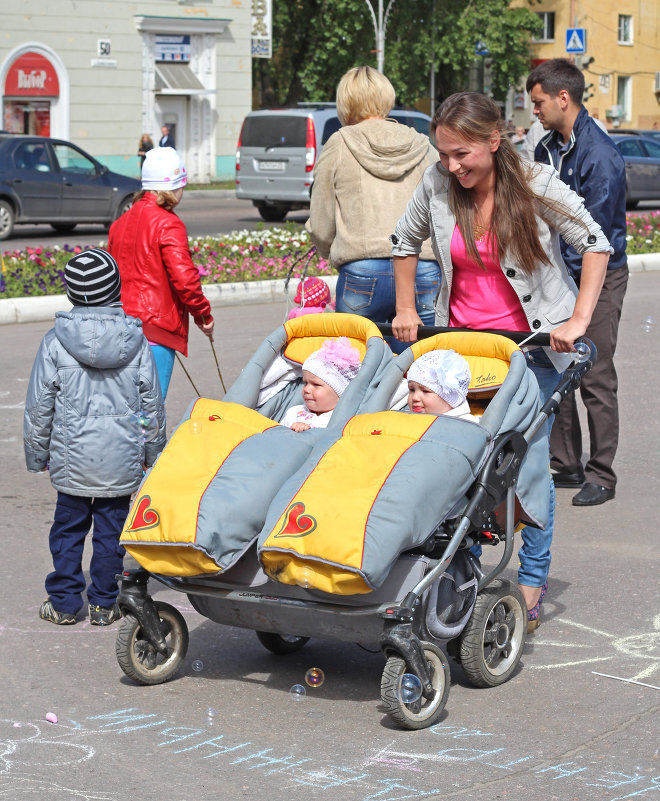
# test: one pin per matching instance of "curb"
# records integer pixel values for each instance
(34, 310)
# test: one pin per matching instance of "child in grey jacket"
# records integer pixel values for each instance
(94, 417)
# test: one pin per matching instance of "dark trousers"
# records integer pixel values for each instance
(73, 518)
(598, 393)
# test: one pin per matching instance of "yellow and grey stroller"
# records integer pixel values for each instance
(360, 532)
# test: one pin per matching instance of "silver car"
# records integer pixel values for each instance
(642, 158)
(278, 148)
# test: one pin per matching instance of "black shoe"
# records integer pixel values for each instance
(568, 480)
(103, 616)
(48, 612)
(592, 495)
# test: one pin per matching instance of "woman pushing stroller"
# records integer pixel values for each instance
(495, 223)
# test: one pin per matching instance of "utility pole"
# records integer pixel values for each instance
(380, 26)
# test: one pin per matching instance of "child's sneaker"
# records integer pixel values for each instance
(103, 616)
(48, 612)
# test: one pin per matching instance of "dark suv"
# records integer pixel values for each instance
(277, 150)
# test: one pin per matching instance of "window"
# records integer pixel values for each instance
(625, 29)
(32, 156)
(72, 160)
(547, 33)
(653, 149)
(624, 95)
(630, 148)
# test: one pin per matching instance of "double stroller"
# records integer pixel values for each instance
(359, 532)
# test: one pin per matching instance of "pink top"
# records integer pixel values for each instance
(482, 299)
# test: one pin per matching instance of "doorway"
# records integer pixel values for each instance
(172, 111)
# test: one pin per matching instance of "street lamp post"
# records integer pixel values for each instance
(380, 26)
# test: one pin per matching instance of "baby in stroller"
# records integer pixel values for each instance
(438, 383)
(325, 374)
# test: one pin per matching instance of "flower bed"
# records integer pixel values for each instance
(239, 256)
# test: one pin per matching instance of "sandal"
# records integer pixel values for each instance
(534, 614)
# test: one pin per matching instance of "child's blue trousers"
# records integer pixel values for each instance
(73, 519)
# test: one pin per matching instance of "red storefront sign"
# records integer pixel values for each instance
(31, 75)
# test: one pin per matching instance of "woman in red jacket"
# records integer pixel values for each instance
(160, 283)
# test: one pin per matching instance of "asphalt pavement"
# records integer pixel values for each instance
(227, 727)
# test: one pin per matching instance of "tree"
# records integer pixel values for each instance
(316, 41)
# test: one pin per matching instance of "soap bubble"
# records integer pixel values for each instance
(647, 324)
(582, 352)
(197, 665)
(409, 688)
(314, 677)
(297, 692)
(195, 426)
(146, 426)
(305, 578)
(210, 714)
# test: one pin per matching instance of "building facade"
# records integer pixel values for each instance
(621, 58)
(103, 73)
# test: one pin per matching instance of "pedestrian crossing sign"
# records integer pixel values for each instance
(576, 40)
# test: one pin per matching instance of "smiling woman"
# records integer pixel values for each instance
(495, 222)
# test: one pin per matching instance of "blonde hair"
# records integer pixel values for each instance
(363, 92)
(164, 197)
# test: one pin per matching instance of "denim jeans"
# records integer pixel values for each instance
(164, 358)
(366, 287)
(73, 518)
(534, 555)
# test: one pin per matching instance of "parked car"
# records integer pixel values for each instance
(642, 158)
(45, 180)
(648, 133)
(277, 150)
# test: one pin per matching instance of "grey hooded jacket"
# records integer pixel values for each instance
(94, 409)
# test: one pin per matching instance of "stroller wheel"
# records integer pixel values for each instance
(139, 659)
(281, 643)
(492, 641)
(425, 711)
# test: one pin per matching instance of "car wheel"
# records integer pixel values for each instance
(7, 217)
(123, 207)
(272, 213)
(63, 228)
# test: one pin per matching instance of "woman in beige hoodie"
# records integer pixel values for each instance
(363, 179)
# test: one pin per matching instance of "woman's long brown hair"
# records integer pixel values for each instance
(474, 117)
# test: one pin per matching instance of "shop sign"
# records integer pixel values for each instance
(31, 74)
(262, 34)
(172, 48)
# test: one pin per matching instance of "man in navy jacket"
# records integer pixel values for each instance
(589, 162)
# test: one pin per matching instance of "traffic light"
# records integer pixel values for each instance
(583, 62)
(587, 92)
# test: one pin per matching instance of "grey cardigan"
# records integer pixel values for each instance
(94, 409)
(547, 295)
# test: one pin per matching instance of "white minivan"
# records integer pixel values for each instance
(277, 150)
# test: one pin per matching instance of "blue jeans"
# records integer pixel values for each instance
(164, 358)
(366, 287)
(534, 555)
(73, 518)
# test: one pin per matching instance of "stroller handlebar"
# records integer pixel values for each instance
(425, 331)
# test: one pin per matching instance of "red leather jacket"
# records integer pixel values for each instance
(159, 282)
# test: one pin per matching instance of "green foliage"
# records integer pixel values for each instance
(316, 41)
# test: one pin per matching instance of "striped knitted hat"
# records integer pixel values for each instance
(92, 279)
